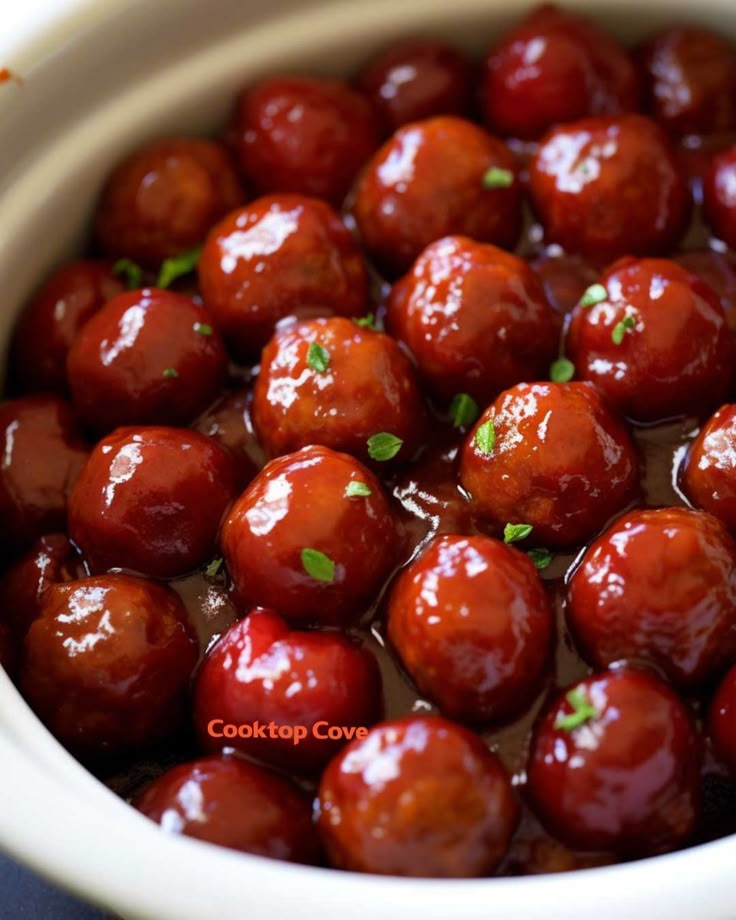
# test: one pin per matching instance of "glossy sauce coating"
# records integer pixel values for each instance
(719, 195)
(708, 475)
(722, 720)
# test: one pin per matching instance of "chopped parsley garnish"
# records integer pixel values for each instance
(596, 293)
(367, 321)
(582, 711)
(496, 177)
(620, 329)
(178, 266)
(561, 370)
(357, 489)
(170, 373)
(318, 358)
(203, 328)
(485, 437)
(131, 273)
(213, 568)
(318, 566)
(512, 533)
(383, 446)
(540, 557)
(463, 410)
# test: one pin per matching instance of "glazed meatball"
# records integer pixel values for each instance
(610, 186)
(614, 765)
(420, 797)
(554, 67)
(418, 79)
(719, 195)
(472, 625)
(432, 179)
(689, 77)
(286, 692)
(718, 271)
(228, 421)
(42, 454)
(147, 357)
(658, 587)
(303, 135)
(107, 664)
(151, 500)
(281, 255)
(232, 803)
(550, 456)
(51, 321)
(163, 199)
(332, 382)
(475, 318)
(722, 720)
(313, 536)
(708, 475)
(655, 342)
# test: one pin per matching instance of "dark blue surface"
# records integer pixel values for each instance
(24, 896)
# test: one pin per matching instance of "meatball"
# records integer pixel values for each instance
(610, 186)
(313, 536)
(332, 382)
(420, 797)
(708, 475)
(303, 135)
(722, 720)
(719, 196)
(614, 765)
(107, 664)
(232, 803)
(476, 319)
(550, 456)
(51, 321)
(432, 179)
(279, 256)
(658, 587)
(418, 79)
(472, 625)
(151, 500)
(655, 342)
(147, 357)
(689, 78)
(280, 695)
(163, 199)
(228, 421)
(42, 455)
(553, 67)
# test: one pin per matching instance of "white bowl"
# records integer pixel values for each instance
(98, 78)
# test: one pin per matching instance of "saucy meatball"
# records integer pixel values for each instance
(655, 342)
(151, 499)
(432, 179)
(550, 456)
(280, 695)
(708, 475)
(313, 536)
(163, 199)
(232, 803)
(279, 256)
(419, 796)
(614, 765)
(555, 66)
(719, 195)
(475, 318)
(610, 186)
(658, 587)
(303, 135)
(147, 357)
(332, 382)
(472, 625)
(107, 664)
(722, 720)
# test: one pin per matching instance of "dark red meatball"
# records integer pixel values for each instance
(49, 324)
(281, 255)
(553, 67)
(291, 692)
(228, 421)
(472, 625)
(107, 664)
(418, 79)
(718, 271)
(614, 765)
(163, 199)
(656, 343)
(552, 456)
(147, 357)
(659, 587)
(313, 536)
(610, 186)
(719, 195)
(689, 77)
(432, 179)
(332, 382)
(565, 279)
(232, 803)
(708, 475)
(42, 454)
(303, 135)
(151, 500)
(420, 797)
(476, 319)
(722, 720)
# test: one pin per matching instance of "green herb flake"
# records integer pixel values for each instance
(170, 373)
(540, 557)
(212, 570)
(495, 177)
(512, 533)
(383, 446)
(357, 489)
(485, 437)
(203, 329)
(582, 711)
(627, 324)
(178, 266)
(463, 410)
(318, 566)
(131, 273)
(366, 322)
(562, 370)
(596, 293)
(318, 358)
